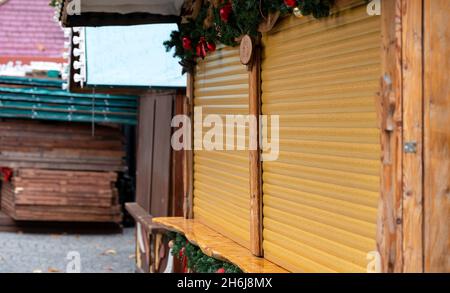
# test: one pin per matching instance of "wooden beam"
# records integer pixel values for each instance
(412, 135)
(188, 177)
(178, 162)
(437, 137)
(389, 226)
(256, 246)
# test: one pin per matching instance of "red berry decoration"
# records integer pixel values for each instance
(187, 43)
(181, 252)
(225, 12)
(211, 47)
(220, 271)
(291, 3)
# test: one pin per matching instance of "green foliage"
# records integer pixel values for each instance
(197, 261)
(245, 19)
(55, 3)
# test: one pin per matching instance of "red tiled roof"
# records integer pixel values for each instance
(27, 29)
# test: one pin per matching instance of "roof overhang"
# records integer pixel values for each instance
(76, 13)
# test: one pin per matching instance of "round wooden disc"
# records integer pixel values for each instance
(246, 50)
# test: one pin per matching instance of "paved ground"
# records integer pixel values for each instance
(27, 253)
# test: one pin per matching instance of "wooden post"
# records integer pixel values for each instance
(437, 137)
(412, 136)
(254, 154)
(389, 226)
(189, 154)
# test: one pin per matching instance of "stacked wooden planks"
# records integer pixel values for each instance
(61, 172)
(6, 223)
(61, 146)
(68, 196)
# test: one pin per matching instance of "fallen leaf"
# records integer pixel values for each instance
(53, 270)
(109, 252)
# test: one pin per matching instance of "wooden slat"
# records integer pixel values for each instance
(154, 152)
(412, 133)
(144, 156)
(162, 151)
(437, 137)
(389, 224)
(215, 245)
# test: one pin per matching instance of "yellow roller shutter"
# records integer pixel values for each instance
(221, 178)
(320, 197)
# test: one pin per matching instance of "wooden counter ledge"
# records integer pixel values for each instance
(215, 245)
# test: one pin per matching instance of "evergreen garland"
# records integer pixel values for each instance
(55, 3)
(232, 19)
(196, 260)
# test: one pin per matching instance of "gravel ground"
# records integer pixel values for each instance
(27, 253)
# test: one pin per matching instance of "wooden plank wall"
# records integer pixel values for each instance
(160, 174)
(437, 137)
(389, 227)
(154, 152)
(413, 228)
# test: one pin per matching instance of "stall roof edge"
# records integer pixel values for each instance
(95, 19)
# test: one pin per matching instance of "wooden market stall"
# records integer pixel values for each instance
(328, 202)
(361, 181)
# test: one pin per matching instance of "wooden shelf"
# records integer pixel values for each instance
(218, 246)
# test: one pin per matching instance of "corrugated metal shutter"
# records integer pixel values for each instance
(320, 197)
(221, 178)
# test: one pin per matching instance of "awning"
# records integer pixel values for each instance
(118, 12)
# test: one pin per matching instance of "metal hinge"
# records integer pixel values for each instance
(410, 147)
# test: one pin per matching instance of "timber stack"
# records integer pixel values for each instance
(60, 172)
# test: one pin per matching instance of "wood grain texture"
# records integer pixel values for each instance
(215, 245)
(412, 133)
(63, 196)
(189, 154)
(143, 217)
(389, 224)
(256, 237)
(162, 150)
(144, 151)
(62, 146)
(437, 136)
(178, 166)
(154, 152)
